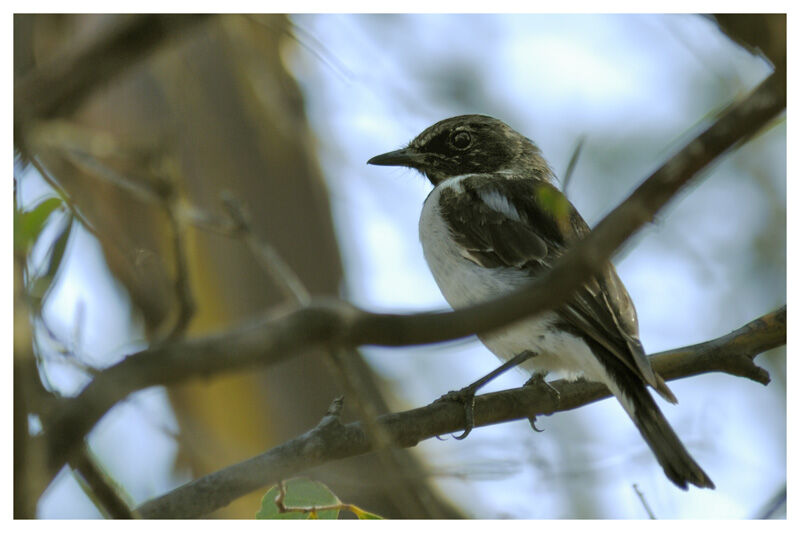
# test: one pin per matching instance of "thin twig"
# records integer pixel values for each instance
(642, 499)
(312, 510)
(182, 283)
(573, 161)
(281, 497)
(85, 148)
(65, 197)
(268, 257)
(307, 40)
(104, 492)
(78, 144)
(774, 505)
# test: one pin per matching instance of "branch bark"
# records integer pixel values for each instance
(331, 440)
(64, 83)
(279, 336)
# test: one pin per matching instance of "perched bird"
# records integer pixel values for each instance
(493, 223)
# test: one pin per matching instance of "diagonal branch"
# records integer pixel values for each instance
(331, 440)
(65, 82)
(336, 323)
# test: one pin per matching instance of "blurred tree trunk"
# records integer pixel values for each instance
(214, 110)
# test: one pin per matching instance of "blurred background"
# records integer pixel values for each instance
(281, 113)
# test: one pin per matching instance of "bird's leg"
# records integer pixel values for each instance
(537, 380)
(466, 396)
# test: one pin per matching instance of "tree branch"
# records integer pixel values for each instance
(334, 323)
(274, 338)
(65, 82)
(331, 440)
(732, 353)
(106, 494)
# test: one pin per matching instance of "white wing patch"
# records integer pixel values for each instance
(500, 203)
(467, 254)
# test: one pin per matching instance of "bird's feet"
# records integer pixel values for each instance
(538, 381)
(465, 397)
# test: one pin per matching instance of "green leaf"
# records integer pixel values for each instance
(28, 224)
(59, 245)
(300, 492)
(38, 287)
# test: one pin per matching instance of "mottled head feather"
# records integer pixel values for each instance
(440, 151)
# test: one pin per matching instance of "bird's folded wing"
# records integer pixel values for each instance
(526, 225)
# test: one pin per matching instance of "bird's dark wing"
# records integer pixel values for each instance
(488, 229)
(526, 224)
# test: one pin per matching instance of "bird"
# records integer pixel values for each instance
(494, 222)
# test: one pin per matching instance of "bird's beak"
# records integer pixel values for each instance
(405, 157)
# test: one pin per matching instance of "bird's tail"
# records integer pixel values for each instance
(678, 465)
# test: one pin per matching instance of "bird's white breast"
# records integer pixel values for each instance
(464, 283)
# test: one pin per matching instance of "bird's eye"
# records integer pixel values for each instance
(461, 139)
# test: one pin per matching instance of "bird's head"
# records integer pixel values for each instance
(469, 144)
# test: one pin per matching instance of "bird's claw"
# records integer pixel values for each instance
(538, 381)
(465, 397)
(532, 422)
